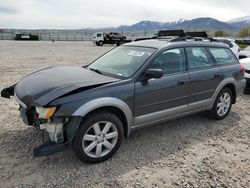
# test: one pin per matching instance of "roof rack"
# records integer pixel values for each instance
(202, 34)
(180, 35)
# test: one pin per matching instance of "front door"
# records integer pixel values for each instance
(156, 98)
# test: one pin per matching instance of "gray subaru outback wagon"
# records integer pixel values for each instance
(91, 108)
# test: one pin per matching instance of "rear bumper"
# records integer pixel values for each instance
(240, 85)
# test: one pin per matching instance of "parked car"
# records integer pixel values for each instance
(92, 108)
(231, 43)
(246, 63)
(115, 35)
(245, 53)
(26, 36)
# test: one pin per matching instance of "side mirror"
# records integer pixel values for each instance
(153, 73)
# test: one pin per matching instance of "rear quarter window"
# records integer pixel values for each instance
(223, 56)
(226, 42)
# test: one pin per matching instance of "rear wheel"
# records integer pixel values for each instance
(99, 137)
(222, 105)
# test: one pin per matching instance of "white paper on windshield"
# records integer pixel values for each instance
(136, 53)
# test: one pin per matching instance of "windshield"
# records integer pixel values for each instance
(122, 61)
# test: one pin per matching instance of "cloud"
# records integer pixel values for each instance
(7, 10)
(92, 13)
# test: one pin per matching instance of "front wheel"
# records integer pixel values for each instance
(222, 105)
(99, 137)
(100, 43)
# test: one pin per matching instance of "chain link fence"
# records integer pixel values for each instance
(70, 35)
(67, 36)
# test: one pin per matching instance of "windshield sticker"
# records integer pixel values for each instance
(136, 53)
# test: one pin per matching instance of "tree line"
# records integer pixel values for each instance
(243, 33)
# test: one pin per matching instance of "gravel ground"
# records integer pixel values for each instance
(189, 152)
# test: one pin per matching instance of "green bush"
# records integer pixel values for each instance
(244, 32)
(221, 33)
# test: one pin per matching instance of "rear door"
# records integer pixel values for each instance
(205, 76)
(228, 63)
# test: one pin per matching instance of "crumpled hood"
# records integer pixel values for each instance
(45, 85)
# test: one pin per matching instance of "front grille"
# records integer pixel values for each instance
(247, 71)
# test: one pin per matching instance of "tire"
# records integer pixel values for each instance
(99, 137)
(100, 43)
(225, 98)
(118, 43)
(97, 44)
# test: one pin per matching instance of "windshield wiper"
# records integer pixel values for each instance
(95, 70)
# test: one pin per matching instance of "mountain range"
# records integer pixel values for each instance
(205, 23)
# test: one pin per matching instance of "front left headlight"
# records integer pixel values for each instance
(45, 113)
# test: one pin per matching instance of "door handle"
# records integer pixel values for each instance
(182, 82)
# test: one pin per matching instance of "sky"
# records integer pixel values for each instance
(78, 14)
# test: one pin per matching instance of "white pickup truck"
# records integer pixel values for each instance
(101, 38)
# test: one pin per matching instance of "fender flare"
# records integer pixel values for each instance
(104, 102)
(222, 85)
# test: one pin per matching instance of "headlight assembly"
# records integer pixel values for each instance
(45, 113)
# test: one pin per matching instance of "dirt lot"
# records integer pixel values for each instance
(189, 152)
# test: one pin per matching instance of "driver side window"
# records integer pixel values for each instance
(170, 62)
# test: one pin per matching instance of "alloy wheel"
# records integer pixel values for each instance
(223, 104)
(100, 139)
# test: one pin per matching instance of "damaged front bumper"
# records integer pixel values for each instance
(53, 128)
(60, 130)
(8, 92)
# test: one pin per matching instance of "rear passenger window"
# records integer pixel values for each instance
(223, 56)
(198, 58)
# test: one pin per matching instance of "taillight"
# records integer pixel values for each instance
(242, 68)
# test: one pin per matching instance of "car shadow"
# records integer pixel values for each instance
(144, 146)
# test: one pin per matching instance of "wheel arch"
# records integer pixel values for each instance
(229, 83)
(233, 90)
(113, 105)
